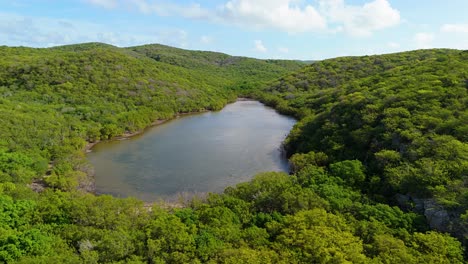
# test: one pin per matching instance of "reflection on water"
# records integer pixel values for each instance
(194, 154)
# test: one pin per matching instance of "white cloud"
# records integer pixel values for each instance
(206, 39)
(393, 45)
(104, 3)
(259, 46)
(162, 8)
(455, 28)
(423, 40)
(283, 50)
(141, 5)
(292, 16)
(172, 37)
(455, 36)
(17, 30)
(194, 11)
(360, 20)
(284, 15)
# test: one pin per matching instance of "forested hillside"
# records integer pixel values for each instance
(403, 116)
(239, 72)
(379, 156)
(53, 100)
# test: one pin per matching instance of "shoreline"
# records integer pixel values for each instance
(170, 203)
(127, 135)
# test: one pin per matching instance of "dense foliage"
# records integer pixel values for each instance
(53, 100)
(238, 73)
(370, 128)
(404, 116)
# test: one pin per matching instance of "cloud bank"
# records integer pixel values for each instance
(20, 30)
(291, 16)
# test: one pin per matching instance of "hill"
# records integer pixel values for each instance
(103, 91)
(403, 116)
(241, 72)
(56, 100)
(373, 132)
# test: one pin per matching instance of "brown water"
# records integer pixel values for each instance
(194, 154)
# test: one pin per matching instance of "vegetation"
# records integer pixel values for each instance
(54, 100)
(370, 129)
(403, 116)
(238, 73)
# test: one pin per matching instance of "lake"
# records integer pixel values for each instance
(193, 154)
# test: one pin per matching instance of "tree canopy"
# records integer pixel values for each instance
(370, 129)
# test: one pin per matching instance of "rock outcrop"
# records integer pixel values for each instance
(437, 217)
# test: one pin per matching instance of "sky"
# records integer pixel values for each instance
(277, 29)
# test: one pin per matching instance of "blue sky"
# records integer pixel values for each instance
(289, 29)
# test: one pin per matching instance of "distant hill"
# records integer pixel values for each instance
(237, 72)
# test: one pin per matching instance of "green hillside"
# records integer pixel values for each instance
(403, 116)
(93, 91)
(377, 136)
(237, 72)
(383, 110)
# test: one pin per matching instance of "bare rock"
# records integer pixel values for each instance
(418, 205)
(437, 217)
(37, 186)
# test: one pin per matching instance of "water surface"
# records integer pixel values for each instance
(193, 154)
